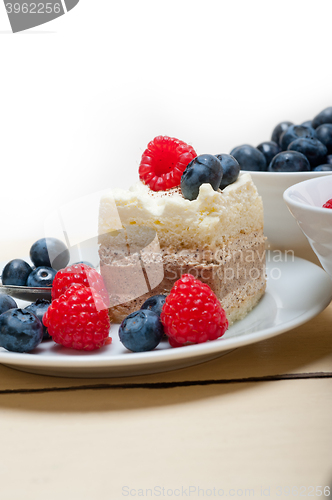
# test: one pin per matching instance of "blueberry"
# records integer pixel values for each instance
(49, 252)
(16, 272)
(41, 277)
(249, 158)
(202, 169)
(20, 330)
(307, 123)
(269, 150)
(279, 130)
(231, 169)
(289, 161)
(313, 149)
(324, 116)
(295, 132)
(327, 167)
(324, 135)
(329, 159)
(39, 308)
(155, 304)
(141, 331)
(6, 303)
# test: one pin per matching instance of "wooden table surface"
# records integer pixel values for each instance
(251, 423)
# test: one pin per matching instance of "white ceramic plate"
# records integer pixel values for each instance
(297, 290)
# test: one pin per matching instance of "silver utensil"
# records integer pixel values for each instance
(28, 293)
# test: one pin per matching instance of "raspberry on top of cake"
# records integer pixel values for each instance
(193, 227)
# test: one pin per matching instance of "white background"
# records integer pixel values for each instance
(83, 95)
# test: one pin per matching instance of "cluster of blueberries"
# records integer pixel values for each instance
(21, 330)
(293, 148)
(20, 273)
(218, 170)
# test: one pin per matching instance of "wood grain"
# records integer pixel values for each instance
(91, 444)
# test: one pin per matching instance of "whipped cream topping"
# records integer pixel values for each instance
(211, 219)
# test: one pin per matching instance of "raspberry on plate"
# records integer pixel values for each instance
(164, 161)
(192, 313)
(78, 319)
(79, 273)
(328, 204)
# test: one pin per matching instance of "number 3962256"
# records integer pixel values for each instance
(33, 8)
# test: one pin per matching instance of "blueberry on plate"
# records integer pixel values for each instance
(16, 272)
(269, 150)
(231, 169)
(327, 167)
(313, 149)
(49, 252)
(329, 159)
(289, 161)
(20, 330)
(141, 331)
(295, 132)
(201, 170)
(279, 130)
(324, 135)
(39, 308)
(249, 158)
(307, 123)
(41, 277)
(6, 303)
(154, 304)
(324, 116)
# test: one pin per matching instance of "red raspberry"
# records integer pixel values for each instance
(78, 319)
(164, 161)
(79, 273)
(192, 313)
(328, 204)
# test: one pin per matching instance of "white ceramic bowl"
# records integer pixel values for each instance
(305, 201)
(280, 228)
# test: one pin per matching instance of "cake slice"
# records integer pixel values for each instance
(148, 239)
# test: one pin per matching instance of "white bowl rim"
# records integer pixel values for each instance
(311, 173)
(302, 205)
